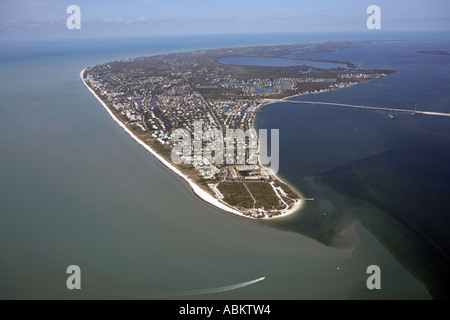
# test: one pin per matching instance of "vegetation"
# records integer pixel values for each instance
(265, 195)
(236, 194)
(286, 188)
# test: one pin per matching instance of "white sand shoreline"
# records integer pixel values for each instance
(202, 194)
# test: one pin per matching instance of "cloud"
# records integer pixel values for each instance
(34, 24)
(174, 22)
(10, 23)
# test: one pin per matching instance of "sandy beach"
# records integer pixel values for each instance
(202, 194)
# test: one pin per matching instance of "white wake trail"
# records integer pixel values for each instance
(149, 295)
(214, 290)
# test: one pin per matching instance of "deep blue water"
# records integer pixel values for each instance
(77, 190)
(278, 62)
(391, 175)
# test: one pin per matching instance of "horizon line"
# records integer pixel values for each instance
(331, 32)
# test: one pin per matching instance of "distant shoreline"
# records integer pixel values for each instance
(199, 192)
(434, 52)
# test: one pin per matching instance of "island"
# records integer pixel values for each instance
(434, 52)
(216, 92)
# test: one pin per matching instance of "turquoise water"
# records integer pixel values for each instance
(78, 190)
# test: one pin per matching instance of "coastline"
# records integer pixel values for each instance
(199, 192)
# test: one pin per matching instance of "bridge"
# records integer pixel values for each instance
(334, 104)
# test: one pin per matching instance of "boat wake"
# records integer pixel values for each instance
(149, 295)
(214, 290)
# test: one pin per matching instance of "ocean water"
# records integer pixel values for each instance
(76, 189)
(390, 175)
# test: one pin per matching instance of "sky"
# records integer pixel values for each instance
(46, 19)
